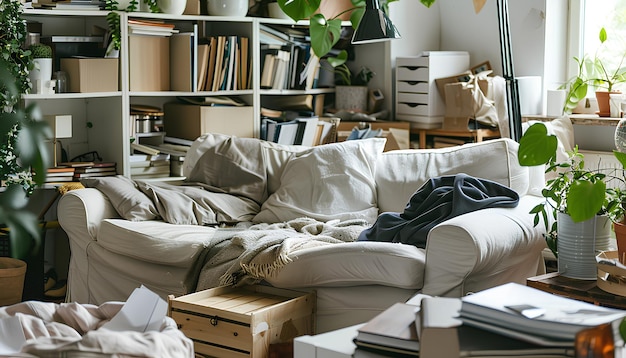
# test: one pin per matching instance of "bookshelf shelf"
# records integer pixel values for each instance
(102, 120)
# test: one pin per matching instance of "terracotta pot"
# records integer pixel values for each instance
(604, 108)
(620, 237)
(12, 272)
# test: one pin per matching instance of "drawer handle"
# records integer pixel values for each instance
(412, 105)
(213, 321)
(413, 68)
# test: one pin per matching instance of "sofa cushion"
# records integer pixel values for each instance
(128, 201)
(354, 264)
(155, 241)
(333, 181)
(400, 173)
(276, 156)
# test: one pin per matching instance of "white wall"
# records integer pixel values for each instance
(538, 34)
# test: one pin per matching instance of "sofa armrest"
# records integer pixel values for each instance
(484, 248)
(81, 211)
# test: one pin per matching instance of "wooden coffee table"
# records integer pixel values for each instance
(582, 290)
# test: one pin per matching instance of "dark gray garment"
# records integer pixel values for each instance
(439, 199)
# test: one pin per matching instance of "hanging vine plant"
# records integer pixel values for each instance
(113, 19)
(23, 155)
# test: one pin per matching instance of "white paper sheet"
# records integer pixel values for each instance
(143, 311)
(11, 335)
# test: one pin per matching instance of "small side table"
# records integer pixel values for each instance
(582, 290)
(477, 135)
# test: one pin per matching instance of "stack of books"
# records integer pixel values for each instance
(59, 175)
(148, 162)
(151, 28)
(95, 170)
(144, 169)
(509, 320)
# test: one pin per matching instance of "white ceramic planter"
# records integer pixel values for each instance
(578, 244)
(237, 8)
(172, 7)
(41, 74)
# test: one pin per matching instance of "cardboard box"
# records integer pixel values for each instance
(189, 121)
(242, 322)
(91, 74)
(149, 63)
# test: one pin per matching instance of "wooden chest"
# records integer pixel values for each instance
(242, 322)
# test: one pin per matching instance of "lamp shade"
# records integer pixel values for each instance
(375, 26)
(61, 125)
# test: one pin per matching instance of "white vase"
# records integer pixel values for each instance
(123, 4)
(276, 12)
(227, 7)
(41, 74)
(578, 244)
(172, 7)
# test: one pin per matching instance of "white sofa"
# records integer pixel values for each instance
(110, 256)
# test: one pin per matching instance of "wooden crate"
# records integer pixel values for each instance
(242, 322)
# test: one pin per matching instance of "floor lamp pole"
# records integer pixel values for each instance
(512, 88)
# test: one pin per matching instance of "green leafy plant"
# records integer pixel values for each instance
(593, 71)
(23, 155)
(113, 18)
(325, 33)
(576, 191)
(343, 76)
(40, 50)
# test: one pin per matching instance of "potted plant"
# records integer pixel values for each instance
(351, 90)
(41, 73)
(23, 155)
(576, 192)
(594, 71)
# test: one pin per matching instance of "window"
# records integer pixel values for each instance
(587, 17)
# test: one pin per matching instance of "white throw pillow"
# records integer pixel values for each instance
(333, 181)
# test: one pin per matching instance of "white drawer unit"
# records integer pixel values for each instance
(417, 98)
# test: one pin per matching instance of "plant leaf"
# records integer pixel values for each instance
(585, 199)
(299, 9)
(427, 3)
(536, 147)
(324, 34)
(341, 58)
(602, 35)
(621, 157)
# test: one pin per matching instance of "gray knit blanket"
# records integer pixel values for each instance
(247, 254)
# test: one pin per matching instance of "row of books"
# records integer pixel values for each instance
(510, 320)
(75, 171)
(287, 60)
(197, 63)
(288, 67)
(307, 131)
(224, 63)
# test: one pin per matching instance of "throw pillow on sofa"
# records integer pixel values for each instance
(327, 182)
(229, 165)
(130, 203)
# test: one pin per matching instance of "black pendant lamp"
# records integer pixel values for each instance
(375, 26)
